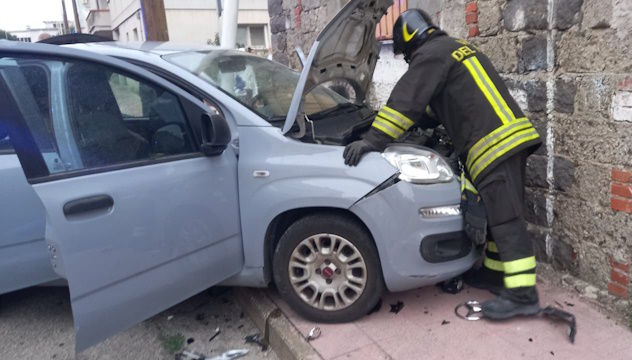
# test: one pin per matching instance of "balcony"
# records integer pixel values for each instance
(98, 21)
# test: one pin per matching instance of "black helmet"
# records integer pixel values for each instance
(410, 31)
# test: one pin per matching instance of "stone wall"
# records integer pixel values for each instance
(568, 63)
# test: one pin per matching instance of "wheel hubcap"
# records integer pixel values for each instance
(327, 272)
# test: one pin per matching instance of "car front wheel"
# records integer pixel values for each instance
(327, 268)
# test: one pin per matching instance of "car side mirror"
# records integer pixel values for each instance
(215, 134)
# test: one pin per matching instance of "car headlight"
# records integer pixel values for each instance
(418, 166)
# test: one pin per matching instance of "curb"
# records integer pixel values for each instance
(275, 327)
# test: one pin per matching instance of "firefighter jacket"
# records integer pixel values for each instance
(457, 82)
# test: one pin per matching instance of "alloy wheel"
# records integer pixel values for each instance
(327, 272)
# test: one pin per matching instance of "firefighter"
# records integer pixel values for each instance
(457, 82)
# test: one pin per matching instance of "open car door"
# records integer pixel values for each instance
(137, 218)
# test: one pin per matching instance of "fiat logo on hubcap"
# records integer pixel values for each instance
(328, 273)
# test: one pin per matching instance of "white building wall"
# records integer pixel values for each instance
(192, 26)
(188, 21)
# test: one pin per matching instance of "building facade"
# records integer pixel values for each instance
(97, 17)
(188, 21)
(566, 63)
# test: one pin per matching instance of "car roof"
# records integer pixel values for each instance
(149, 47)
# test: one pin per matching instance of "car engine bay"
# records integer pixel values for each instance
(349, 122)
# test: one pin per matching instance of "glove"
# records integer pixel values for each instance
(354, 151)
(474, 217)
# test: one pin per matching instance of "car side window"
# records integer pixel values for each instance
(5, 144)
(36, 78)
(116, 118)
(98, 116)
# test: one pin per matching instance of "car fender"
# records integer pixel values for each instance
(277, 174)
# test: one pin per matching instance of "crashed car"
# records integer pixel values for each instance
(165, 170)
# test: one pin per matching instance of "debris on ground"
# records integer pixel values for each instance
(258, 340)
(376, 308)
(452, 286)
(190, 341)
(445, 322)
(475, 312)
(314, 334)
(217, 332)
(228, 355)
(397, 307)
(569, 304)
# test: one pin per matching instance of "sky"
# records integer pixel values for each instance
(17, 14)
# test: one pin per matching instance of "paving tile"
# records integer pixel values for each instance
(416, 332)
(339, 339)
(370, 352)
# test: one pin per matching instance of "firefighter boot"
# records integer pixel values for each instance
(485, 279)
(512, 302)
(490, 275)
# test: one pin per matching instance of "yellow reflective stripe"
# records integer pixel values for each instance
(501, 149)
(522, 280)
(494, 137)
(470, 187)
(394, 113)
(391, 120)
(466, 184)
(493, 264)
(496, 93)
(388, 130)
(479, 76)
(396, 129)
(492, 247)
(520, 265)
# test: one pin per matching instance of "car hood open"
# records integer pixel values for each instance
(345, 49)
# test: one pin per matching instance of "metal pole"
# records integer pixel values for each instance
(229, 24)
(66, 29)
(77, 22)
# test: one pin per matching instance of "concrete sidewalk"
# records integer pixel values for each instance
(427, 328)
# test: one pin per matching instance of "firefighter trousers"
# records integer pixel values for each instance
(502, 191)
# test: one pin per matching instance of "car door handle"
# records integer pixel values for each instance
(88, 204)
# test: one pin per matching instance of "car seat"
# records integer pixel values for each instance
(100, 131)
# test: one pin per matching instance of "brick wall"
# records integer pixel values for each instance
(568, 64)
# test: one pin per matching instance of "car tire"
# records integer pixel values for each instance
(342, 283)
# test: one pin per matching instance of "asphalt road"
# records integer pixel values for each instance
(37, 324)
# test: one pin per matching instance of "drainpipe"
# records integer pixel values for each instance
(229, 24)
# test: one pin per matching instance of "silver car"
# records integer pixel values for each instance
(164, 171)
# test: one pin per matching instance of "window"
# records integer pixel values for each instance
(251, 36)
(135, 34)
(257, 36)
(36, 79)
(384, 29)
(106, 118)
(5, 143)
(242, 36)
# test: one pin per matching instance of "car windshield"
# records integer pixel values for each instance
(263, 86)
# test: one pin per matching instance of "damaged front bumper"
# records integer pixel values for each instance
(418, 233)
